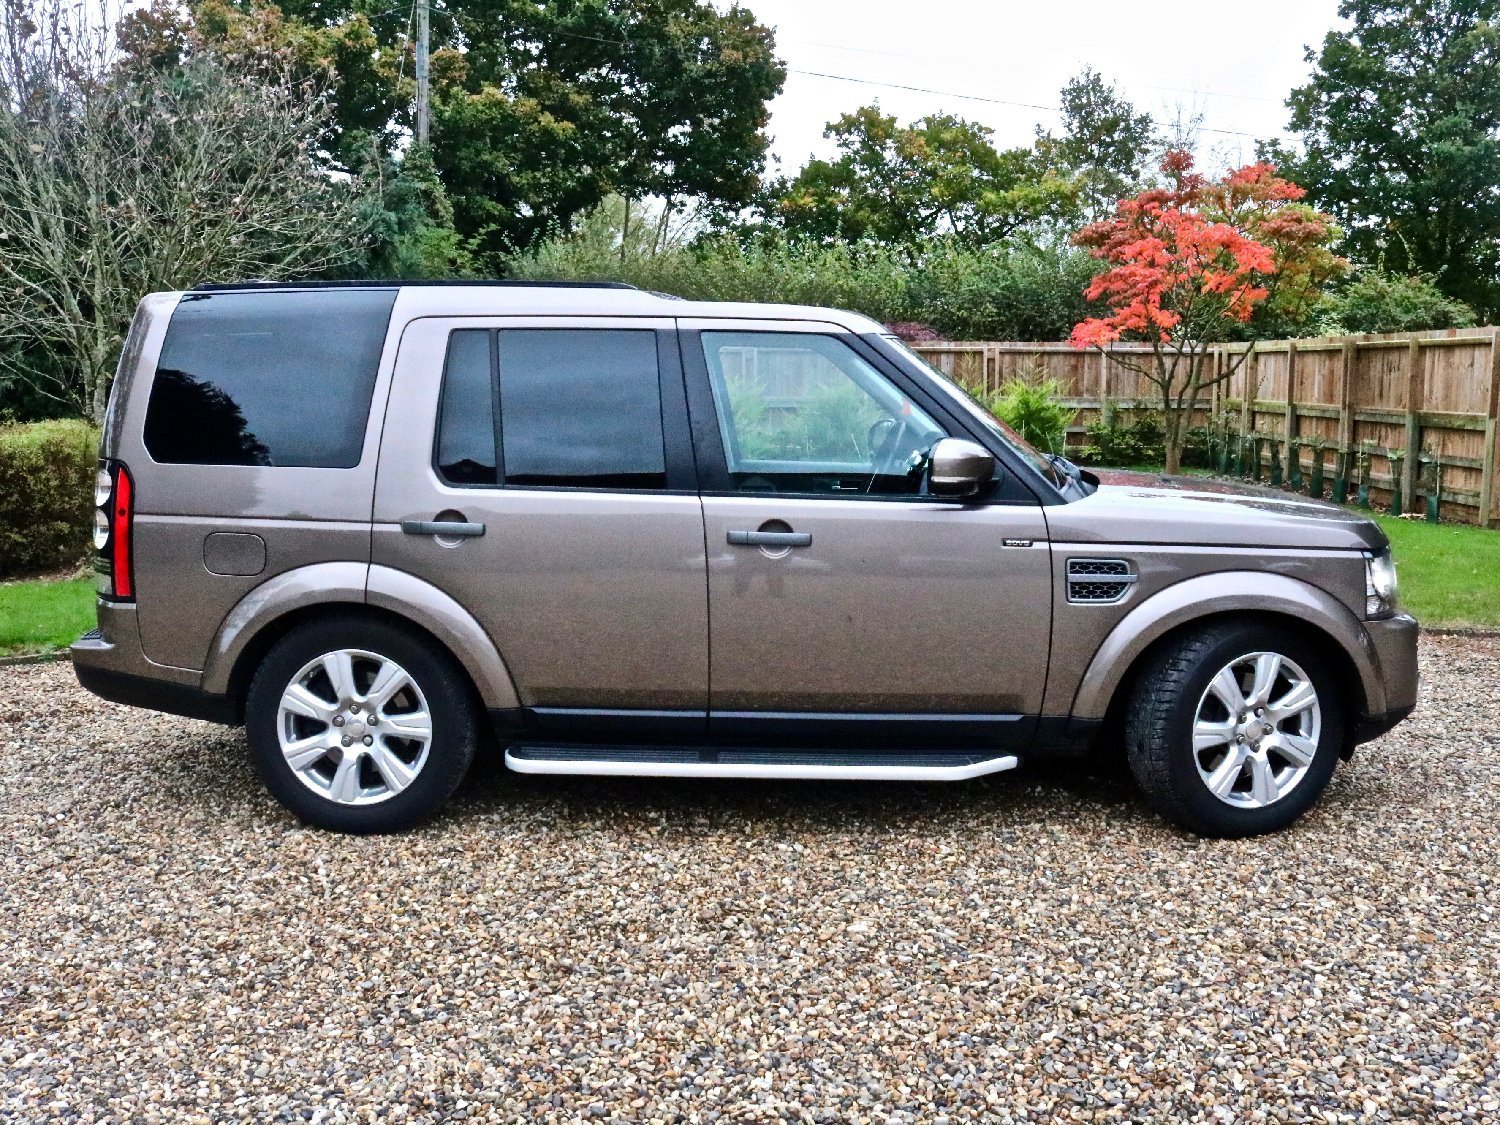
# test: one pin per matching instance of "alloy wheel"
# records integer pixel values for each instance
(354, 727)
(1256, 730)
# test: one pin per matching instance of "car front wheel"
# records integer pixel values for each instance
(359, 726)
(1235, 730)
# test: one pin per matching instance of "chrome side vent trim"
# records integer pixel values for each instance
(1099, 581)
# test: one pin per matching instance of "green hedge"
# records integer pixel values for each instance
(46, 494)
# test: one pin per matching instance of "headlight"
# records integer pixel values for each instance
(1380, 585)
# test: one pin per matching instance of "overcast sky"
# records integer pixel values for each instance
(1234, 63)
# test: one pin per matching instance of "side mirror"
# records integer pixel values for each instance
(958, 467)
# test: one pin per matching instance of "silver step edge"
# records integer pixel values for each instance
(606, 768)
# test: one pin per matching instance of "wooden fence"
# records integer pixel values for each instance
(1408, 418)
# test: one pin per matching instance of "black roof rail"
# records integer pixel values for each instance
(397, 283)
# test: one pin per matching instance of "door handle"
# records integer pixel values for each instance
(770, 538)
(453, 528)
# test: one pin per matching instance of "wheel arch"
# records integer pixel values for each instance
(275, 607)
(1296, 606)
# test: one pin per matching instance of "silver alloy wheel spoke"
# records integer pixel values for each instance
(1222, 780)
(1267, 668)
(308, 751)
(412, 724)
(398, 775)
(339, 668)
(1257, 729)
(326, 743)
(301, 701)
(1294, 702)
(345, 785)
(1296, 749)
(1263, 788)
(1227, 688)
(388, 681)
(1207, 735)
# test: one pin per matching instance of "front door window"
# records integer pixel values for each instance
(802, 413)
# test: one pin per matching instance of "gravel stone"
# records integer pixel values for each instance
(1031, 947)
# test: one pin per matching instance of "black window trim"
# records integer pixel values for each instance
(678, 455)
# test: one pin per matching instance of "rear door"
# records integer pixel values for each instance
(561, 445)
(887, 615)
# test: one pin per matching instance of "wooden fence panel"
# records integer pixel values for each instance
(1419, 406)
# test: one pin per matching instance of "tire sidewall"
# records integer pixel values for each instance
(435, 673)
(1203, 807)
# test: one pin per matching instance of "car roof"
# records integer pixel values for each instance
(530, 298)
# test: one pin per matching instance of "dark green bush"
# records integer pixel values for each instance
(1116, 443)
(1384, 302)
(46, 494)
(1000, 293)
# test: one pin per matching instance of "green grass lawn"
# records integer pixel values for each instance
(40, 616)
(1449, 574)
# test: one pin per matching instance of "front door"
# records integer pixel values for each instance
(845, 604)
(561, 445)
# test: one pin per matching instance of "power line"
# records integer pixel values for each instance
(948, 63)
(978, 97)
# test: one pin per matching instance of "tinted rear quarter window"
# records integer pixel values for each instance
(279, 378)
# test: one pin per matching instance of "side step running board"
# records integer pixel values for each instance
(676, 761)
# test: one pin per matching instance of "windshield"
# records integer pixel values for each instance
(959, 394)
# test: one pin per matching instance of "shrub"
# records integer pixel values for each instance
(1385, 302)
(1031, 408)
(998, 293)
(46, 494)
(1113, 443)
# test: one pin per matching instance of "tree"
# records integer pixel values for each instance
(903, 185)
(1103, 139)
(1401, 126)
(1190, 263)
(117, 181)
(541, 110)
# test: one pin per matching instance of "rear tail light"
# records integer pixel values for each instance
(114, 499)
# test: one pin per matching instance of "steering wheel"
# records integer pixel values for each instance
(884, 436)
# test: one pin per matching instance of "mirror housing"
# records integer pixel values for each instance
(958, 467)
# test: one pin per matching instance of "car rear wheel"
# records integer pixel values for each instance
(357, 725)
(1235, 730)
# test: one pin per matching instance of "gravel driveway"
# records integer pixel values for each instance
(1020, 948)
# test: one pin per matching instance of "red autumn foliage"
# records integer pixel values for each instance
(1195, 251)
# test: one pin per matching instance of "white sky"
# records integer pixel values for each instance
(1233, 63)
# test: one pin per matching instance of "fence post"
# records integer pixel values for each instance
(1346, 418)
(1412, 461)
(1487, 480)
(1293, 456)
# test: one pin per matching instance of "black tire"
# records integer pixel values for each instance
(454, 723)
(1163, 708)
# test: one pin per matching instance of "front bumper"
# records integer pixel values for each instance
(109, 662)
(1393, 642)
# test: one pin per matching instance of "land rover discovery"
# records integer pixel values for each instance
(381, 524)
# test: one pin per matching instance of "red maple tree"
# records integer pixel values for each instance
(1196, 262)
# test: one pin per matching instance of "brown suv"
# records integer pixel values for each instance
(638, 535)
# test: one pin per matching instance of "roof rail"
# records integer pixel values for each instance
(397, 283)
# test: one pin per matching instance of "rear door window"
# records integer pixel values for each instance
(279, 378)
(578, 408)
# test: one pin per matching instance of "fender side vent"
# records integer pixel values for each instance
(1099, 581)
